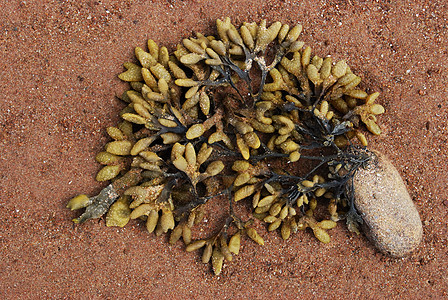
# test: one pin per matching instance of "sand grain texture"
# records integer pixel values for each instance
(58, 73)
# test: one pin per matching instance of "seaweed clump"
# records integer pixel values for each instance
(249, 115)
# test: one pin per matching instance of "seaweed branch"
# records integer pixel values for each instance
(248, 114)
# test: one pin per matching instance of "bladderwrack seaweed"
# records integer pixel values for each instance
(248, 114)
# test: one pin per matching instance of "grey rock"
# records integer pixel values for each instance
(391, 220)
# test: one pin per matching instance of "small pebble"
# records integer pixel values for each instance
(391, 220)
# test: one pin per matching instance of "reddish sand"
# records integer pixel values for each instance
(58, 66)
